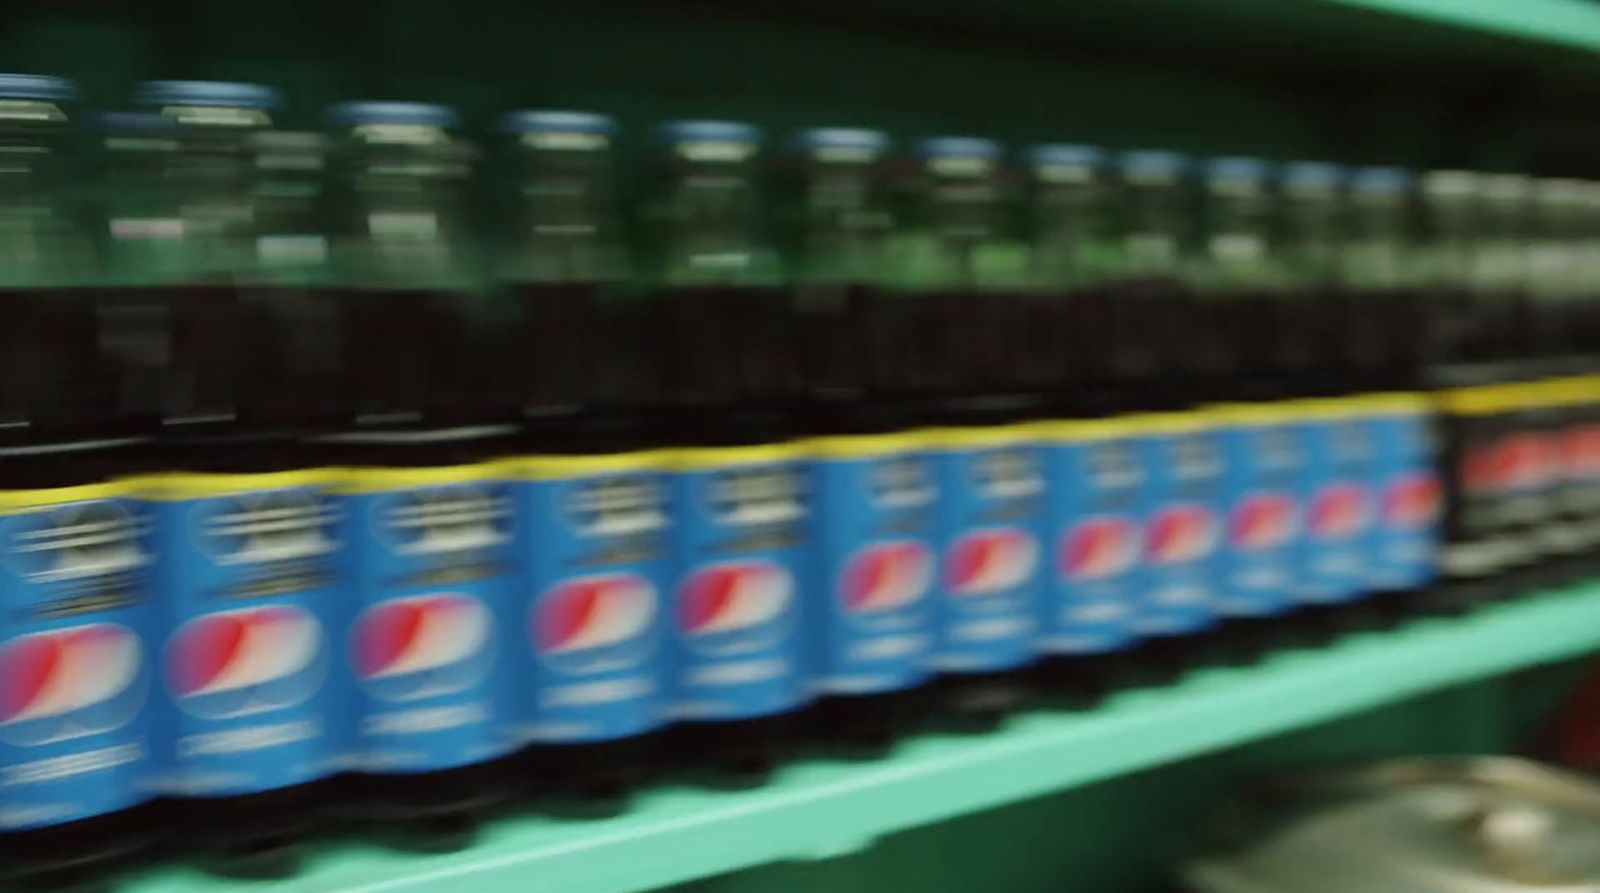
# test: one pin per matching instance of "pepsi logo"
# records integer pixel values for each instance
(75, 541)
(1413, 500)
(1517, 462)
(1263, 521)
(423, 646)
(1340, 511)
(68, 683)
(991, 562)
(735, 605)
(273, 525)
(620, 505)
(1181, 533)
(1580, 452)
(598, 622)
(253, 660)
(887, 576)
(438, 520)
(1100, 547)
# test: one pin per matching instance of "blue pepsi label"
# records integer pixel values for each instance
(246, 590)
(874, 538)
(1337, 492)
(1404, 548)
(76, 655)
(740, 541)
(1094, 528)
(1264, 458)
(430, 577)
(1182, 457)
(991, 499)
(592, 536)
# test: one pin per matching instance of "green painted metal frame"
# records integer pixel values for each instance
(819, 809)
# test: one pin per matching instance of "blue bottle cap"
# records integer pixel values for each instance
(552, 121)
(1065, 154)
(222, 94)
(971, 147)
(818, 139)
(679, 132)
(420, 114)
(136, 122)
(1312, 174)
(1151, 163)
(1381, 179)
(37, 86)
(1234, 167)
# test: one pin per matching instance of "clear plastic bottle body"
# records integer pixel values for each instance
(836, 224)
(1382, 300)
(1555, 274)
(1313, 300)
(1071, 258)
(181, 211)
(959, 256)
(54, 381)
(405, 270)
(584, 337)
(1240, 325)
(1450, 217)
(712, 268)
(1501, 267)
(1150, 301)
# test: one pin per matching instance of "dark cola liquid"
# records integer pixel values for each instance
(1137, 334)
(559, 336)
(288, 371)
(729, 345)
(407, 355)
(833, 347)
(1379, 339)
(203, 370)
(177, 350)
(53, 375)
(1046, 357)
(584, 346)
(906, 352)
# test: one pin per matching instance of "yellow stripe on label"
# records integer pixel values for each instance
(15, 502)
(379, 480)
(690, 458)
(1480, 400)
(1492, 399)
(1576, 390)
(199, 485)
(1081, 430)
(555, 468)
(968, 438)
(1274, 413)
(1396, 403)
(858, 446)
(1324, 408)
(1166, 422)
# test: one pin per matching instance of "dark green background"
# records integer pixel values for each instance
(1283, 78)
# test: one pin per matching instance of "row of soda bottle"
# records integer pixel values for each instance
(189, 263)
(199, 308)
(438, 637)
